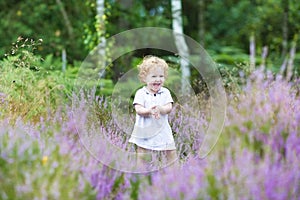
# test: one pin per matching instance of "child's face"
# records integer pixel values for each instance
(155, 79)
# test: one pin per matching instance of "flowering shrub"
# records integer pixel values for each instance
(34, 166)
(256, 157)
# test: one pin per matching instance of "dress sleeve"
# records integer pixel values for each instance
(168, 97)
(138, 98)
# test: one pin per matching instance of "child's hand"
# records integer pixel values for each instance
(155, 112)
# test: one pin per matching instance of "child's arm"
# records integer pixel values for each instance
(141, 110)
(165, 109)
(155, 111)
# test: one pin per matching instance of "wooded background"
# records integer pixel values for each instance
(226, 29)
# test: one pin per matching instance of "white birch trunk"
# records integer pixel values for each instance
(283, 67)
(252, 52)
(64, 60)
(264, 57)
(201, 21)
(290, 64)
(101, 34)
(181, 45)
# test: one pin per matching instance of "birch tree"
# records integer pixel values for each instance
(285, 27)
(181, 44)
(65, 18)
(69, 29)
(100, 28)
(201, 21)
(252, 52)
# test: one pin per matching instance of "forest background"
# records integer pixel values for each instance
(226, 29)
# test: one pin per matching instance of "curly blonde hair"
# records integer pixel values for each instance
(149, 62)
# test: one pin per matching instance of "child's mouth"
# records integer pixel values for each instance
(156, 85)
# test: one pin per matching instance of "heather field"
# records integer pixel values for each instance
(42, 157)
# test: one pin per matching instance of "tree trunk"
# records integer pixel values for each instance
(252, 52)
(66, 18)
(201, 22)
(181, 45)
(125, 5)
(290, 64)
(64, 60)
(285, 4)
(264, 57)
(100, 27)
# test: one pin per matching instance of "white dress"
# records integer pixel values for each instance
(148, 132)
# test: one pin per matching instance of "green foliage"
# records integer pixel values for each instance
(135, 184)
(94, 29)
(213, 189)
(30, 86)
(36, 19)
(22, 53)
(134, 14)
(227, 24)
